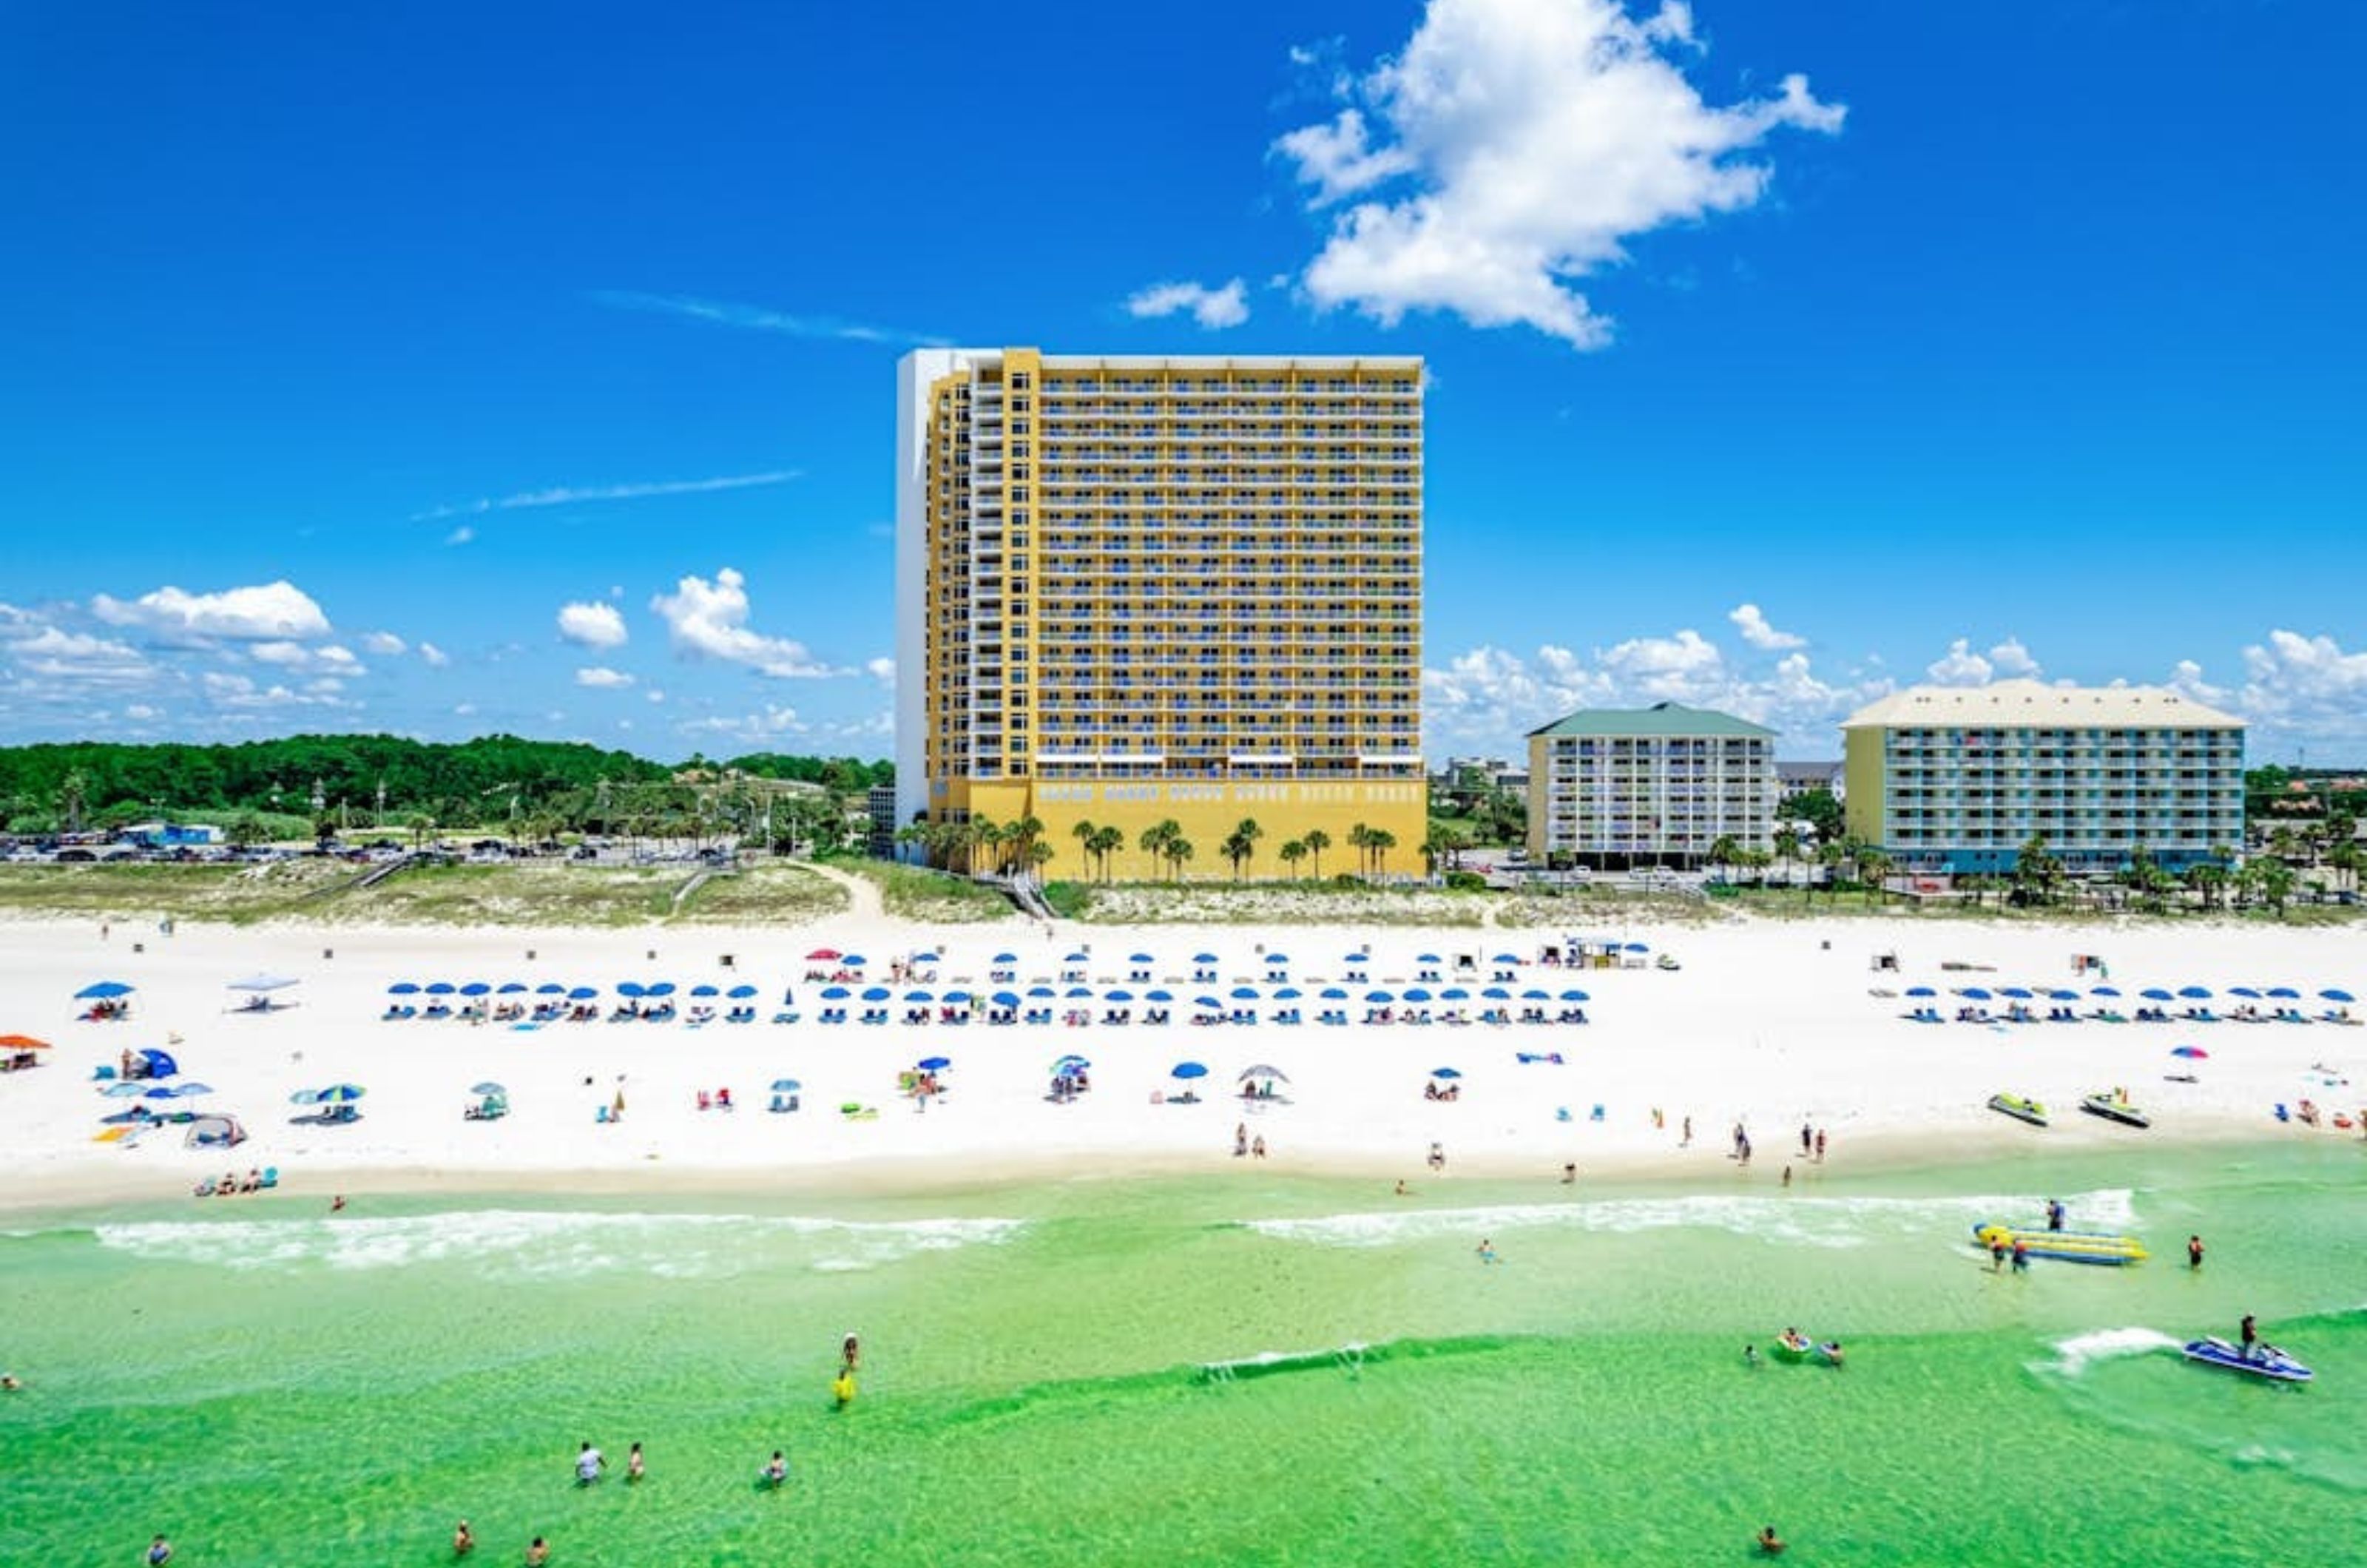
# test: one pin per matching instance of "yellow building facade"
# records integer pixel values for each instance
(1132, 591)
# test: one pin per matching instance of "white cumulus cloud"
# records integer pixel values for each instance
(76, 658)
(436, 657)
(1512, 147)
(270, 610)
(1751, 623)
(590, 624)
(603, 679)
(709, 620)
(385, 644)
(1213, 308)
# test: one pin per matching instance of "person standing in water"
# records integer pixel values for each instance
(635, 1466)
(2194, 1252)
(464, 1540)
(850, 1353)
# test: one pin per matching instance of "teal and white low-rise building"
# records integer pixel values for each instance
(1614, 788)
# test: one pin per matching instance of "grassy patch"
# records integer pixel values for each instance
(1069, 900)
(764, 894)
(514, 896)
(916, 893)
(232, 894)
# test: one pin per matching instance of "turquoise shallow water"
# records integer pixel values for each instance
(274, 1386)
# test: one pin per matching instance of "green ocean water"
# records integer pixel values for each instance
(272, 1386)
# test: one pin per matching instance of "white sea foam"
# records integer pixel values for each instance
(1793, 1219)
(2077, 1354)
(549, 1244)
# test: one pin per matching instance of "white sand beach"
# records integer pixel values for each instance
(1772, 1025)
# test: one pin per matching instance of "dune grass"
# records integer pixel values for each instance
(764, 895)
(145, 892)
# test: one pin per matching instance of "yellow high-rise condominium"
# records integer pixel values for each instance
(1137, 590)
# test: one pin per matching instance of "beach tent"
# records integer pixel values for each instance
(262, 983)
(159, 1064)
(1262, 1071)
(215, 1133)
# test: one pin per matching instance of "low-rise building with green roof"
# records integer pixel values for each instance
(1613, 788)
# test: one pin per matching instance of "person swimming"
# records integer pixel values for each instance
(464, 1539)
(776, 1470)
(635, 1466)
(1768, 1543)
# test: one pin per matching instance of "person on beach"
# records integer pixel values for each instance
(776, 1470)
(2020, 1256)
(537, 1553)
(635, 1466)
(1402, 1188)
(1686, 1142)
(849, 1352)
(1257, 1146)
(337, 1204)
(1770, 1544)
(1241, 1139)
(159, 1552)
(842, 1389)
(2194, 1252)
(1807, 1139)
(1787, 1176)
(589, 1462)
(1570, 1174)
(464, 1539)
(11, 1384)
(1438, 1156)
(1820, 1145)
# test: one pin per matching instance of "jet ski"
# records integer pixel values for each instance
(2265, 1361)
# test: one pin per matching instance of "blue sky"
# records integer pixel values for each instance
(447, 368)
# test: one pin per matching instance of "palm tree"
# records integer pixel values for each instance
(1102, 843)
(1317, 840)
(2346, 857)
(1235, 848)
(1023, 836)
(1787, 849)
(1874, 870)
(1360, 839)
(1722, 850)
(1083, 832)
(74, 793)
(1381, 841)
(1157, 839)
(1292, 851)
(1248, 833)
(1179, 849)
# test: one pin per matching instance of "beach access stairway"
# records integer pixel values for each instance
(1023, 891)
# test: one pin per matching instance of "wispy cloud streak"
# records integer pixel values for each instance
(569, 495)
(755, 318)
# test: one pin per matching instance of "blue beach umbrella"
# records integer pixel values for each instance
(1445, 1073)
(2156, 994)
(1639, 947)
(705, 990)
(1418, 994)
(1118, 994)
(1426, 958)
(1333, 994)
(1273, 958)
(1039, 992)
(103, 990)
(2335, 996)
(1190, 1070)
(2283, 993)
(1911, 990)
(488, 1087)
(854, 961)
(1158, 995)
(513, 988)
(1079, 993)
(2062, 996)
(1005, 958)
(403, 988)
(551, 989)
(925, 957)
(1207, 1004)
(2196, 993)
(1070, 1062)
(1204, 958)
(1286, 993)
(124, 1088)
(958, 998)
(2244, 991)
(935, 1063)
(2103, 991)
(476, 989)
(441, 987)
(1575, 996)
(582, 993)
(1496, 994)
(1974, 992)
(787, 1085)
(1380, 996)
(1535, 997)
(1006, 999)
(1514, 958)
(1244, 993)
(1076, 958)
(740, 993)
(920, 996)
(662, 989)
(835, 993)
(875, 993)
(2019, 993)
(1141, 958)
(633, 989)
(1354, 958)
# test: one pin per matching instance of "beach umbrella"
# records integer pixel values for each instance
(633, 988)
(1974, 992)
(1286, 993)
(476, 989)
(1426, 958)
(787, 1085)
(1005, 958)
(1204, 958)
(1040, 992)
(1079, 993)
(22, 1042)
(441, 987)
(2062, 996)
(1380, 996)
(1582, 997)
(740, 993)
(1262, 1071)
(403, 988)
(662, 989)
(705, 990)
(2196, 993)
(854, 961)
(1118, 994)
(1070, 1062)
(2103, 991)
(1006, 999)
(958, 998)
(1334, 993)
(1922, 991)
(1510, 958)
(1354, 958)
(191, 1089)
(551, 989)
(583, 993)
(103, 990)
(1273, 958)
(925, 958)
(1417, 993)
(159, 1064)
(1244, 993)
(488, 1087)
(1640, 947)
(1141, 958)
(1158, 995)
(1496, 994)
(935, 1063)
(1190, 1070)
(1535, 997)
(2335, 996)
(2192, 1053)
(2245, 991)
(2283, 993)
(339, 1094)
(920, 996)
(124, 1089)
(1208, 1004)
(1445, 1073)
(2019, 993)
(1076, 958)
(262, 983)
(2156, 994)
(833, 993)
(875, 993)
(1455, 994)
(161, 1091)
(511, 988)
(821, 955)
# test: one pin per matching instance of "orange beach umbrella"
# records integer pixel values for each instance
(22, 1042)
